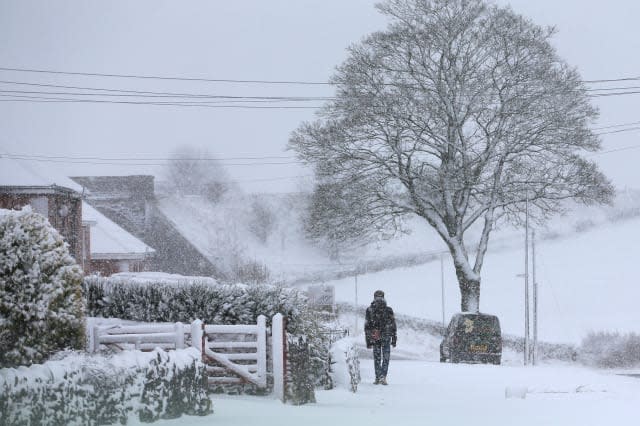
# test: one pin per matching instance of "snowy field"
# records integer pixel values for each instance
(430, 393)
(587, 282)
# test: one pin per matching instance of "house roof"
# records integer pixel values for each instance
(110, 241)
(27, 175)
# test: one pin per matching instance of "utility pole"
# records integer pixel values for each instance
(526, 281)
(442, 289)
(355, 309)
(534, 354)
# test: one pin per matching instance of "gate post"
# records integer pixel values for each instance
(279, 356)
(197, 336)
(179, 339)
(94, 341)
(262, 350)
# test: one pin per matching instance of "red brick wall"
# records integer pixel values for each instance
(68, 224)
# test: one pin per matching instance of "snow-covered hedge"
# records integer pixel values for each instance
(41, 305)
(345, 364)
(187, 300)
(97, 390)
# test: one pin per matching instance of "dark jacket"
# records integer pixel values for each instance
(380, 317)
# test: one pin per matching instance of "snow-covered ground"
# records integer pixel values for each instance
(587, 282)
(430, 393)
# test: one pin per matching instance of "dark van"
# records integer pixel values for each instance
(472, 338)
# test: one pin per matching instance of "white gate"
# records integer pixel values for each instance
(236, 353)
(233, 353)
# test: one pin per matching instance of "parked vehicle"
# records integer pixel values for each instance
(472, 338)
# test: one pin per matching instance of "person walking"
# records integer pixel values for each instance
(380, 334)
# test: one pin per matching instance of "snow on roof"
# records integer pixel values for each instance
(15, 172)
(154, 277)
(109, 241)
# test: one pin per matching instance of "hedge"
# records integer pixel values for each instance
(99, 390)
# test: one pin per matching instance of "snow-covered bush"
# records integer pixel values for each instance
(301, 380)
(345, 366)
(41, 305)
(97, 390)
(610, 350)
(185, 301)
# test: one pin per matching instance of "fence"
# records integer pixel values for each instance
(233, 353)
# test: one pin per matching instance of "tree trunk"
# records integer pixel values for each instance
(469, 291)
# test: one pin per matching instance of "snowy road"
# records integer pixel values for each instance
(430, 393)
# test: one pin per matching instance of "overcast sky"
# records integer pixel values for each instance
(294, 40)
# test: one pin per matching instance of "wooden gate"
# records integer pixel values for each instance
(234, 354)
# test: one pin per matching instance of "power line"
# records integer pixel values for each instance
(167, 94)
(151, 160)
(225, 98)
(155, 77)
(71, 161)
(611, 80)
(143, 93)
(625, 148)
(616, 125)
(265, 157)
(46, 99)
(604, 95)
(618, 131)
(201, 104)
(217, 80)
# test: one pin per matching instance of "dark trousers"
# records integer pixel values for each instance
(381, 355)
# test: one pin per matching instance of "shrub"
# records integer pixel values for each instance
(41, 306)
(610, 350)
(345, 367)
(101, 390)
(300, 374)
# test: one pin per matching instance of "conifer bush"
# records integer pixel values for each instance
(41, 304)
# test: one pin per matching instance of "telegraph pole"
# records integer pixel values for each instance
(534, 354)
(355, 309)
(526, 281)
(442, 289)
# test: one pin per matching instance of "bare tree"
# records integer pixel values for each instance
(459, 112)
(336, 217)
(262, 219)
(192, 171)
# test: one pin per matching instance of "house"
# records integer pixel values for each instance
(112, 249)
(57, 198)
(98, 244)
(130, 202)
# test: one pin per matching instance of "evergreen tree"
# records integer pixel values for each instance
(41, 305)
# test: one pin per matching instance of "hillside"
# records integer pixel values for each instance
(267, 231)
(583, 262)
